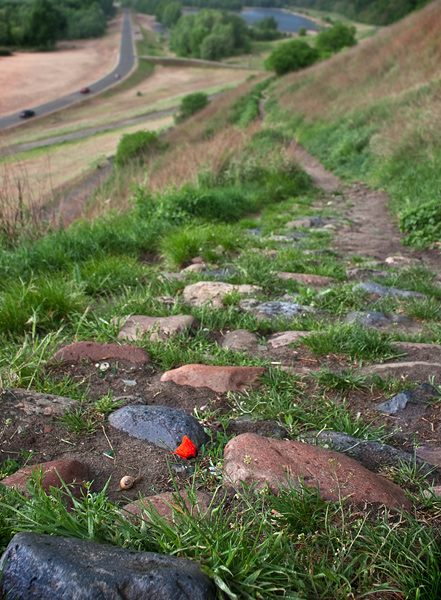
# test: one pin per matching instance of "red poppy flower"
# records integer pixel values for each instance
(187, 449)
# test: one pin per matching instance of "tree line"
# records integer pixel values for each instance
(40, 24)
(379, 12)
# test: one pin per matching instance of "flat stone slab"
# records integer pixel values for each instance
(284, 338)
(167, 505)
(275, 309)
(29, 403)
(384, 290)
(53, 473)
(218, 379)
(270, 462)
(373, 318)
(96, 351)
(410, 370)
(161, 425)
(314, 281)
(240, 340)
(38, 566)
(160, 328)
(213, 292)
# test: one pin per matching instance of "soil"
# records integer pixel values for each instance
(72, 66)
(371, 231)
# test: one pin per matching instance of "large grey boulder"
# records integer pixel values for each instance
(38, 566)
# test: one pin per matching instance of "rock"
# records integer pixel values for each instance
(38, 566)
(398, 261)
(423, 393)
(265, 251)
(384, 290)
(372, 455)
(275, 309)
(255, 231)
(168, 504)
(218, 379)
(72, 472)
(298, 223)
(197, 260)
(410, 371)
(213, 292)
(161, 425)
(255, 459)
(161, 328)
(314, 281)
(196, 268)
(433, 491)
(420, 362)
(163, 277)
(35, 403)
(372, 318)
(240, 340)
(361, 274)
(430, 454)
(97, 351)
(284, 338)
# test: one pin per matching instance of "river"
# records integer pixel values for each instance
(286, 21)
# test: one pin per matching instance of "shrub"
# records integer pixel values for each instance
(332, 40)
(291, 56)
(137, 145)
(190, 105)
(5, 52)
(422, 223)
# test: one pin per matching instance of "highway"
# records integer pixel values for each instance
(125, 64)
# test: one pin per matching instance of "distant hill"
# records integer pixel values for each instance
(378, 12)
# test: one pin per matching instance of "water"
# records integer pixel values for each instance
(287, 22)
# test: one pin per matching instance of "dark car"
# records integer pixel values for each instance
(85, 90)
(25, 114)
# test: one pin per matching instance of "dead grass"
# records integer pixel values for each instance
(403, 56)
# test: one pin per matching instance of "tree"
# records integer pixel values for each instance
(291, 56)
(334, 39)
(41, 26)
(169, 13)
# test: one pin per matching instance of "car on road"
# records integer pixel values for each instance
(85, 90)
(25, 114)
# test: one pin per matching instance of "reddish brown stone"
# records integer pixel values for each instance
(218, 379)
(167, 506)
(252, 458)
(284, 338)
(160, 328)
(96, 351)
(71, 472)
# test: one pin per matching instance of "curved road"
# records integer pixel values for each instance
(125, 65)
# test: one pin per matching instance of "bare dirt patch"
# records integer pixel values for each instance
(31, 78)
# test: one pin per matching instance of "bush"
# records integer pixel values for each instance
(190, 105)
(422, 223)
(291, 56)
(137, 145)
(332, 40)
(5, 52)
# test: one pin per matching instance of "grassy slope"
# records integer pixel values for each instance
(70, 285)
(373, 112)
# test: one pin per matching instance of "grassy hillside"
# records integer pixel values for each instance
(372, 113)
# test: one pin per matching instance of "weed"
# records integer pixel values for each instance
(78, 421)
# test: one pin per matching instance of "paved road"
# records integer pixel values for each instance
(125, 65)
